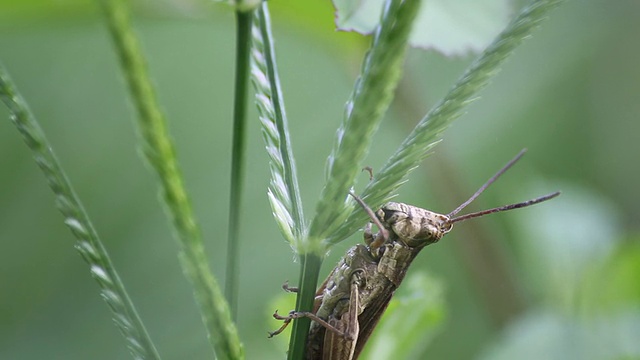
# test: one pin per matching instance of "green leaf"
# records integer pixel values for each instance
(542, 334)
(593, 283)
(453, 27)
(560, 243)
(412, 320)
(620, 284)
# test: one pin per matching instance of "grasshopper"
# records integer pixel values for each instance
(354, 296)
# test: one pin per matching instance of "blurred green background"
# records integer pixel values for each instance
(558, 281)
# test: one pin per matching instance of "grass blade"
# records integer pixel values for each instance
(428, 131)
(371, 97)
(159, 152)
(413, 319)
(284, 193)
(243, 46)
(88, 243)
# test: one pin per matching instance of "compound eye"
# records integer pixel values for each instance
(446, 227)
(387, 215)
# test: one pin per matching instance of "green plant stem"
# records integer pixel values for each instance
(309, 272)
(159, 151)
(75, 217)
(243, 52)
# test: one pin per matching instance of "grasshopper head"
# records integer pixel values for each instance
(414, 226)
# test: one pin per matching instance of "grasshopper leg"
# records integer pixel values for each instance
(286, 319)
(287, 288)
(374, 241)
(304, 314)
(293, 315)
(369, 169)
(383, 234)
(343, 347)
(286, 322)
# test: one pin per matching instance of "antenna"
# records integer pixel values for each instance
(504, 208)
(500, 208)
(489, 182)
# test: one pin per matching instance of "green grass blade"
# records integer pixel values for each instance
(159, 151)
(410, 323)
(243, 47)
(88, 244)
(284, 193)
(429, 130)
(371, 97)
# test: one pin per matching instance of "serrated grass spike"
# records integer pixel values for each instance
(159, 150)
(370, 99)
(418, 144)
(284, 193)
(88, 242)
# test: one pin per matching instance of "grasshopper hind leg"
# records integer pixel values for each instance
(341, 344)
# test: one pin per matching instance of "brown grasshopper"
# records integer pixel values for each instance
(354, 296)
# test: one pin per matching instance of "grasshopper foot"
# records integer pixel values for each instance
(288, 288)
(286, 319)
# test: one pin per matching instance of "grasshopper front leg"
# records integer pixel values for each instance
(374, 241)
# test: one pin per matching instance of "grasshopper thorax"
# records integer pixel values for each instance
(412, 225)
